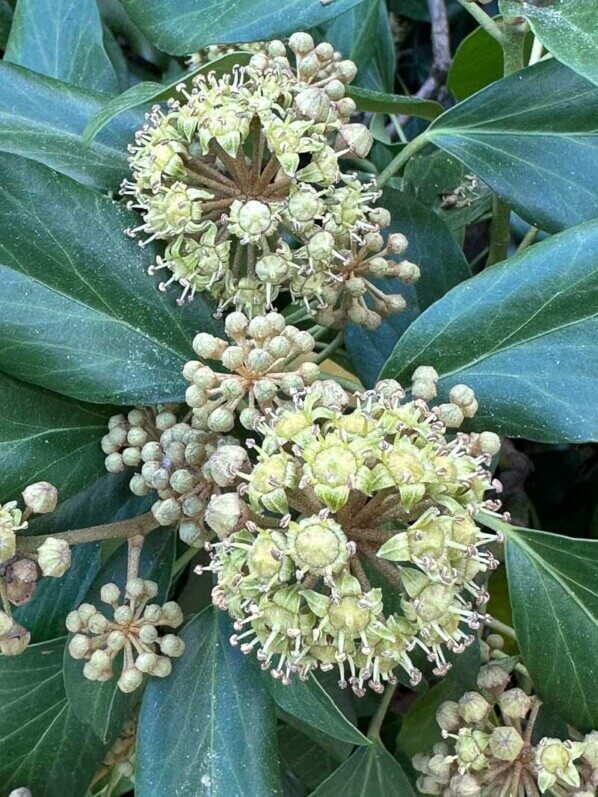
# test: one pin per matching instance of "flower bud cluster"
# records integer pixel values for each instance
(39, 498)
(263, 369)
(186, 465)
(327, 482)
(488, 747)
(242, 180)
(132, 626)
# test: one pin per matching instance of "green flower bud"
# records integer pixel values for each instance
(192, 533)
(166, 512)
(464, 785)
(225, 514)
(515, 704)
(171, 645)
(164, 420)
(505, 743)
(447, 716)
(356, 138)
(114, 463)
(17, 642)
(493, 678)
(225, 464)
(41, 497)
(473, 708)
(130, 680)
(6, 623)
(110, 593)
(54, 557)
(301, 43)
(450, 415)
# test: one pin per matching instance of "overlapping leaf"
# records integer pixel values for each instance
(62, 39)
(78, 313)
(46, 436)
(553, 586)
(370, 772)
(182, 26)
(42, 743)
(533, 138)
(566, 27)
(215, 719)
(524, 336)
(442, 264)
(43, 119)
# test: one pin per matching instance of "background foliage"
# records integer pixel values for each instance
(83, 328)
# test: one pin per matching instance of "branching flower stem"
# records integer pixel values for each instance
(123, 529)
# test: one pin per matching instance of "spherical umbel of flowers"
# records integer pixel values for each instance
(133, 627)
(242, 178)
(185, 465)
(262, 360)
(327, 485)
(489, 750)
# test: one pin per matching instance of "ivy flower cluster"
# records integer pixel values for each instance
(134, 627)
(19, 573)
(187, 466)
(242, 180)
(329, 486)
(490, 747)
(263, 369)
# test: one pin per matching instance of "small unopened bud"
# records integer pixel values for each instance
(166, 512)
(6, 623)
(473, 707)
(492, 678)
(225, 514)
(514, 703)
(130, 680)
(225, 463)
(464, 785)
(313, 103)
(464, 397)
(172, 645)
(397, 243)
(356, 138)
(17, 641)
(450, 415)
(41, 497)
(109, 593)
(447, 716)
(505, 743)
(489, 443)
(301, 43)
(54, 557)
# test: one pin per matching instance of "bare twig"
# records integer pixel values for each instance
(441, 54)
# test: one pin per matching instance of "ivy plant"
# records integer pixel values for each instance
(298, 368)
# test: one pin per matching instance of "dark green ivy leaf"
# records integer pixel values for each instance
(531, 136)
(61, 39)
(78, 313)
(42, 743)
(47, 436)
(308, 701)
(43, 119)
(209, 728)
(442, 263)
(553, 586)
(524, 335)
(370, 772)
